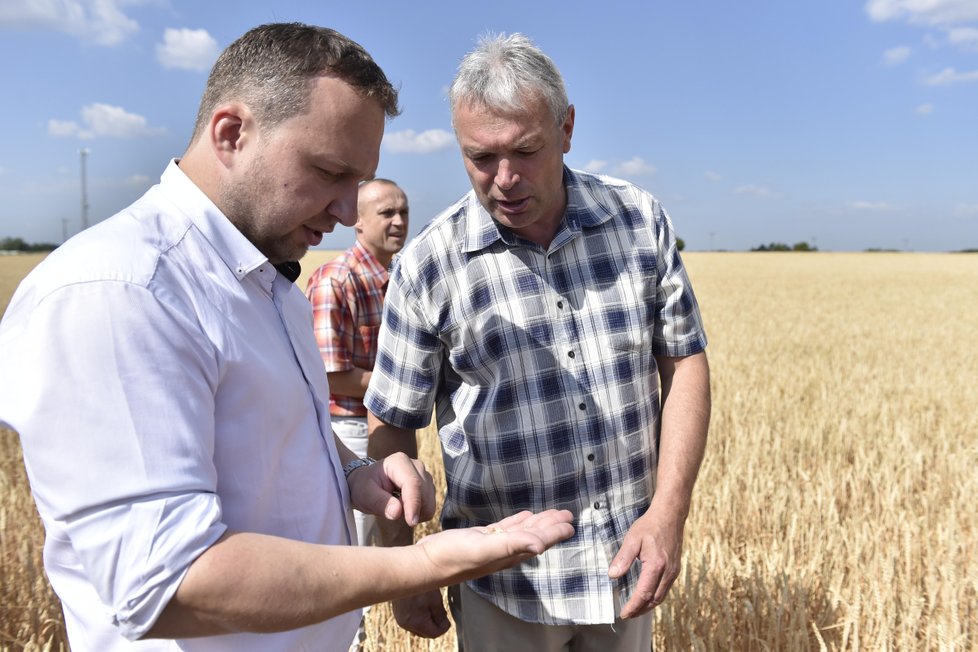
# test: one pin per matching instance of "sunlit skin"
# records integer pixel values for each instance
(515, 163)
(382, 222)
(287, 185)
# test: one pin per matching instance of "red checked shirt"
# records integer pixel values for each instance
(347, 296)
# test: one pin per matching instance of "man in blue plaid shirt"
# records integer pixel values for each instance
(537, 317)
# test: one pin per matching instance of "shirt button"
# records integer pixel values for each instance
(560, 304)
(570, 354)
(590, 458)
(597, 505)
(582, 406)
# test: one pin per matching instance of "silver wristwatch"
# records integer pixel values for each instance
(356, 464)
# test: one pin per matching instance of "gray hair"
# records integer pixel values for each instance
(271, 68)
(503, 72)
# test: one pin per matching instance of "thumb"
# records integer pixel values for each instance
(627, 554)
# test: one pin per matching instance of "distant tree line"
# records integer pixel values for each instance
(780, 246)
(18, 244)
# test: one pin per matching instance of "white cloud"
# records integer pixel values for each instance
(635, 167)
(410, 142)
(595, 166)
(62, 128)
(751, 189)
(104, 120)
(924, 12)
(863, 205)
(951, 76)
(189, 49)
(924, 109)
(114, 121)
(966, 210)
(99, 21)
(896, 55)
(965, 38)
(712, 176)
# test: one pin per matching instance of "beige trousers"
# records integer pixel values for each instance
(483, 627)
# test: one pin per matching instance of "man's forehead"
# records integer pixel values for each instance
(382, 194)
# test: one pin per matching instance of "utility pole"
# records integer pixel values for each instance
(83, 152)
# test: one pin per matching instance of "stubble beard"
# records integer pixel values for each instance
(244, 206)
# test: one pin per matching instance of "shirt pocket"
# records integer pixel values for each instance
(626, 316)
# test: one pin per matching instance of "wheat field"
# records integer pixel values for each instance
(835, 507)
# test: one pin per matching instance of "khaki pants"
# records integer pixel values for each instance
(483, 627)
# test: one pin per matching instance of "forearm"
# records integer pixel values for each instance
(288, 584)
(685, 421)
(352, 382)
(385, 439)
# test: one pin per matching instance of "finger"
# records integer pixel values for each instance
(626, 556)
(428, 493)
(393, 509)
(511, 521)
(439, 621)
(643, 598)
(535, 533)
(427, 627)
(404, 476)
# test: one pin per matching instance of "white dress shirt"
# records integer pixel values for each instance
(167, 386)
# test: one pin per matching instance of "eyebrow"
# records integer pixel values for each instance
(340, 167)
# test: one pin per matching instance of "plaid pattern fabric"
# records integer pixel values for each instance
(347, 296)
(541, 365)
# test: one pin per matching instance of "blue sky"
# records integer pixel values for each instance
(846, 124)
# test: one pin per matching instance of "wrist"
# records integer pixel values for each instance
(356, 464)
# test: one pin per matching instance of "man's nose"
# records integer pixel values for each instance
(344, 206)
(506, 175)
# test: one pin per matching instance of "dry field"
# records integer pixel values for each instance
(835, 509)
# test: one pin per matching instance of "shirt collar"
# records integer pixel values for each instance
(237, 252)
(371, 265)
(583, 210)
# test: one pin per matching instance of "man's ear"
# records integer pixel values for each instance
(231, 129)
(567, 129)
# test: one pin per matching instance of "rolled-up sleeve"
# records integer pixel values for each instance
(113, 401)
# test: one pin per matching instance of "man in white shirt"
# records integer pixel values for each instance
(162, 373)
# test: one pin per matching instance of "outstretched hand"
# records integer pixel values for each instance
(453, 556)
(476, 551)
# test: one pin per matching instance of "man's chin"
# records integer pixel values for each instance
(284, 254)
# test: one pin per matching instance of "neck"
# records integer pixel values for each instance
(382, 257)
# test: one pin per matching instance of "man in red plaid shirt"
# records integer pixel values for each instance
(347, 296)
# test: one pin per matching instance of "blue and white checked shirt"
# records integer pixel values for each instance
(541, 366)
